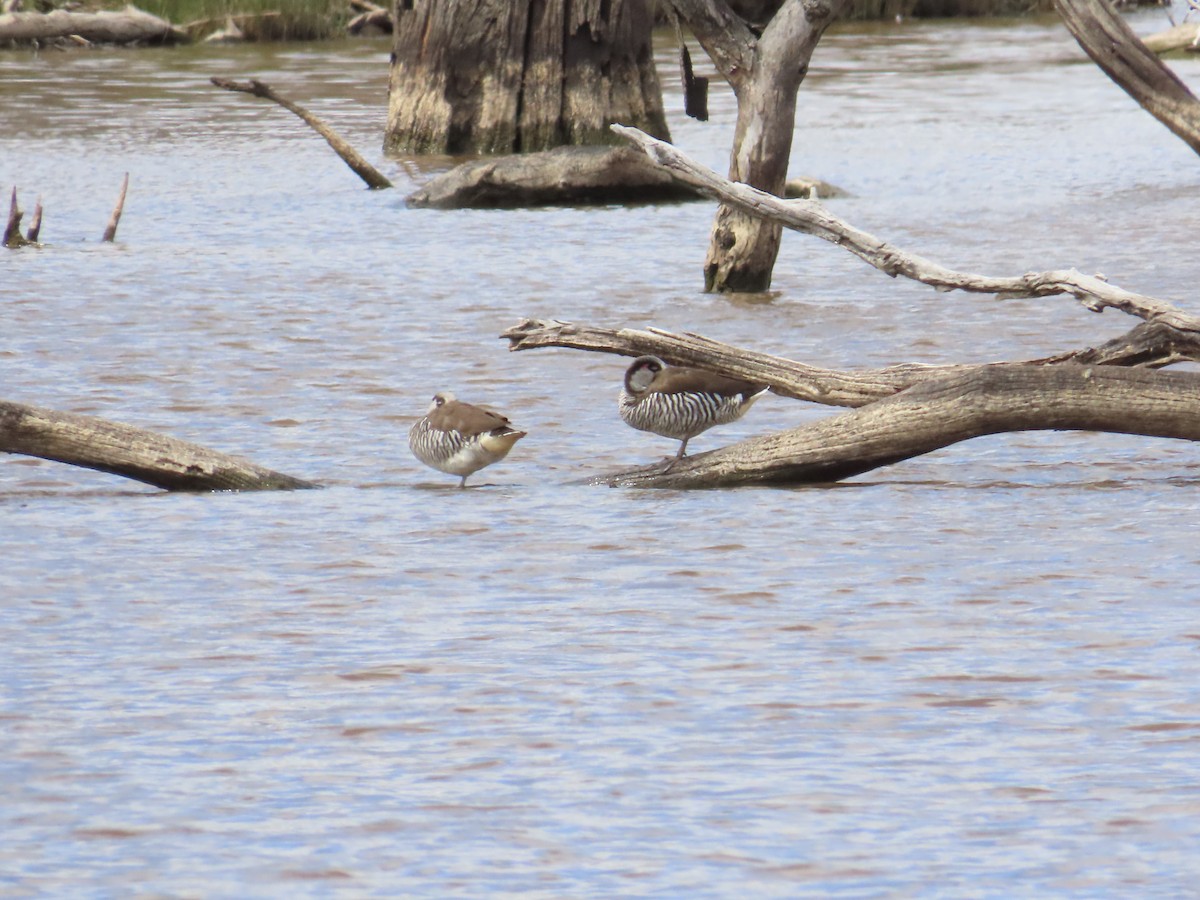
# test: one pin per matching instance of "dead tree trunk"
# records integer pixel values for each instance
(516, 76)
(154, 459)
(765, 73)
(1114, 47)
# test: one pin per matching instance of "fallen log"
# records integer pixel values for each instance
(154, 459)
(1148, 345)
(1112, 45)
(349, 155)
(940, 412)
(128, 26)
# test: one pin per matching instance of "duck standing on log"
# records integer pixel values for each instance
(680, 402)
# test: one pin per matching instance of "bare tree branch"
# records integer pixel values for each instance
(363, 169)
(110, 230)
(811, 217)
(726, 39)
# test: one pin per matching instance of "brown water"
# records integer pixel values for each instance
(973, 674)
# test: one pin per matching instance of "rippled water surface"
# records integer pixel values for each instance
(973, 674)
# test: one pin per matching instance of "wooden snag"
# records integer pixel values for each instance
(35, 223)
(12, 230)
(351, 157)
(110, 230)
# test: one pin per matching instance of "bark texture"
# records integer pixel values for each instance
(765, 72)
(515, 76)
(1113, 46)
(154, 459)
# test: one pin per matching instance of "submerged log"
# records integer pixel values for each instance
(565, 175)
(128, 26)
(119, 449)
(363, 169)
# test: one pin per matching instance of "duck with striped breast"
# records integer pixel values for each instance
(459, 439)
(680, 402)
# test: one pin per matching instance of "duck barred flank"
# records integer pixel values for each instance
(680, 415)
(433, 447)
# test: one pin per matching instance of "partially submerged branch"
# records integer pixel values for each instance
(110, 230)
(154, 459)
(12, 230)
(811, 217)
(363, 169)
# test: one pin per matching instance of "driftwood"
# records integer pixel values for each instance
(811, 217)
(944, 411)
(565, 175)
(903, 411)
(154, 459)
(1185, 36)
(363, 169)
(128, 26)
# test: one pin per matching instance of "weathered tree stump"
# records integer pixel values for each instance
(517, 76)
